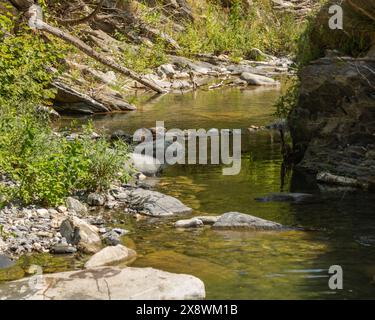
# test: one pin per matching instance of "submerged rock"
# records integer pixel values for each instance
(288, 197)
(63, 249)
(153, 203)
(5, 262)
(110, 256)
(236, 220)
(107, 283)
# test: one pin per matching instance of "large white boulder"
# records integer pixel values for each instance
(106, 283)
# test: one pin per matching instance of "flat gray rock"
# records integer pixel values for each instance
(237, 220)
(106, 283)
(258, 80)
(288, 197)
(154, 203)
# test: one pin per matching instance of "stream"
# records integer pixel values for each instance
(243, 264)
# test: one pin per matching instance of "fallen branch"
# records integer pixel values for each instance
(91, 16)
(36, 23)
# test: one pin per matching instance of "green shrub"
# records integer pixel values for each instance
(47, 167)
(289, 99)
(237, 32)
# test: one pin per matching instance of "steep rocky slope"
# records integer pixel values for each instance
(333, 125)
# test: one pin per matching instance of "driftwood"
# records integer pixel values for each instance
(74, 22)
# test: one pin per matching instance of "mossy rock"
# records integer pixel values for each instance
(356, 38)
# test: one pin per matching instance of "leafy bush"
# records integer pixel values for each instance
(46, 166)
(288, 101)
(26, 61)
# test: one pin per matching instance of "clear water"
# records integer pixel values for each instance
(250, 265)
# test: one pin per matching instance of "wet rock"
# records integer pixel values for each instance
(154, 203)
(5, 262)
(76, 206)
(236, 220)
(107, 283)
(96, 199)
(189, 223)
(84, 236)
(258, 80)
(63, 249)
(110, 256)
(288, 197)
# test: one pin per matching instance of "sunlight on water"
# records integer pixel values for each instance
(248, 265)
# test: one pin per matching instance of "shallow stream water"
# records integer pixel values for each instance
(249, 265)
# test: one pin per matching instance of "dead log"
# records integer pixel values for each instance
(91, 16)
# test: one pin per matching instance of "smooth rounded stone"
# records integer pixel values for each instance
(5, 262)
(208, 220)
(107, 283)
(63, 249)
(288, 197)
(78, 232)
(189, 223)
(96, 199)
(76, 206)
(147, 165)
(258, 80)
(237, 220)
(154, 203)
(110, 256)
